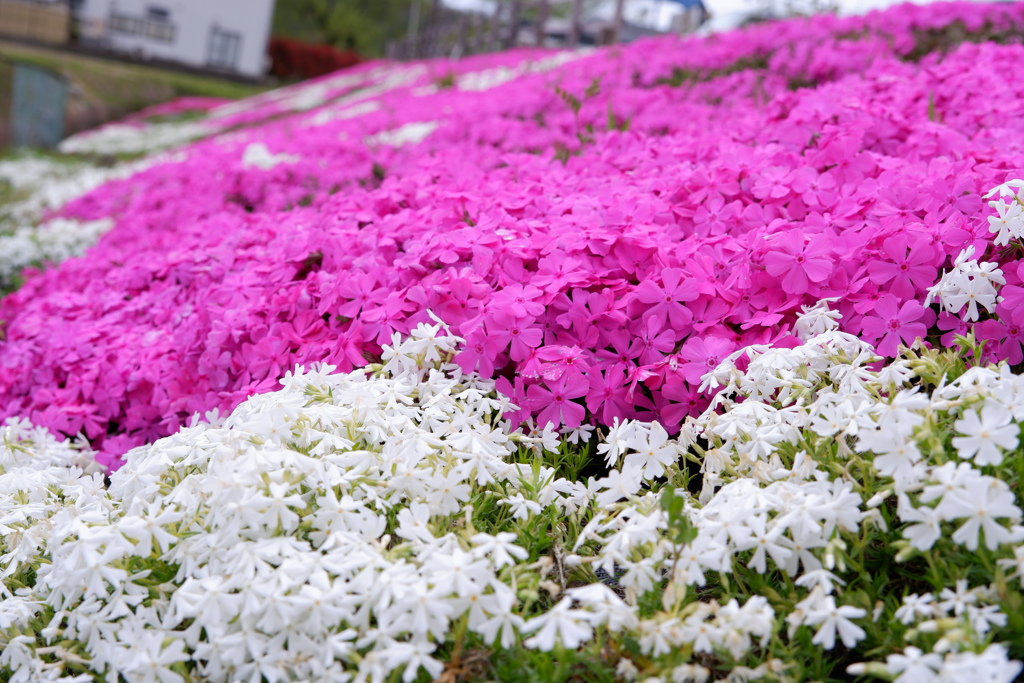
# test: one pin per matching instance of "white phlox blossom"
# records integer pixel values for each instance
(52, 242)
(407, 134)
(1008, 223)
(258, 155)
(268, 533)
(707, 626)
(819, 609)
(332, 530)
(916, 666)
(817, 319)
(41, 185)
(136, 138)
(969, 284)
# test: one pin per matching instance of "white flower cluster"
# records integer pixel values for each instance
(970, 284)
(980, 604)
(1008, 223)
(258, 155)
(409, 134)
(333, 530)
(785, 524)
(136, 138)
(768, 504)
(826, 387)
(916, 666)
(54, 241)
(260, 547)
(40, 185)
(50, 184)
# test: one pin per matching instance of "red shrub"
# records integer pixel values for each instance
(292, 58)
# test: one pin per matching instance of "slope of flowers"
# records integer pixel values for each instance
(601, 231)
(36, 186)
(386, 523)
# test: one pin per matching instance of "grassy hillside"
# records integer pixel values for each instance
(103, 90)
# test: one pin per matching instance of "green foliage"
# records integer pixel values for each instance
(361, 25)
(681, 528)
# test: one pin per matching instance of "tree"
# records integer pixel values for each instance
(361, 25)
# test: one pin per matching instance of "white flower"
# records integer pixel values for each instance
(412, 655)
(617, 485)
(926, 528)
(652, 453)
(561, 626)
(984, 436)
(817, 319)
(969, 284)
(982, 502)
(915, 607)
(956, 601)
(1010, 188)
(991, 665)
(914, 666)
(521, 507)
(616, 441)
(765, 542)
(1016, 563)
(152, 654)
(1008, 223)
(257, 155)
(835, 620)
(499, 549)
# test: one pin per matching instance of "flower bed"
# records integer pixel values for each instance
(779, 270)
(388, 523)
(633, 215)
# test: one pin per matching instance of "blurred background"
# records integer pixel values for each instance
(70, 65)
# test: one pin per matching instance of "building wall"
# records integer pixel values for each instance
(46, 22)
(230, 35)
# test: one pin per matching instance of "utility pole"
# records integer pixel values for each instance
(512, 37)
(617, 21)
(543, 10)
(495, 31)
(413, 30)
(574, 26)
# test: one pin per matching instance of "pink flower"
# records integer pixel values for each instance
(608, 396)
(893, 324)
(562, 360)
(667, 299)
(772, 183)
(954, 326)
(910, 268)
(1004, 339)
(553, 401)
(523, 334)
(702, 355)
(519, 301)
(480, 352)
(797, 261)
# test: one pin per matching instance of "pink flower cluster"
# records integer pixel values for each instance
(598, 259)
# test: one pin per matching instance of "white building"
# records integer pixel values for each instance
(226, 35)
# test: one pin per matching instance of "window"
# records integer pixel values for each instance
(224, 48)
(154, 13)
(157, 29)
(124, 24)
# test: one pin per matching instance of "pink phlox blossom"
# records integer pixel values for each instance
(701, 355)
(797, 262)
(893, 324)
(667, 300)
(909, 266)
(553, 401)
